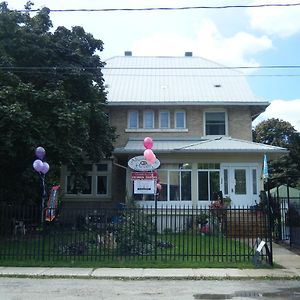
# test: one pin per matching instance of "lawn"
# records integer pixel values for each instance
(88, 249)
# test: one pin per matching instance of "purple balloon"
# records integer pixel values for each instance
(40, 152)
(38, 165)
(45, 168)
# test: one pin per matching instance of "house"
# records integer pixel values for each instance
(199, 115)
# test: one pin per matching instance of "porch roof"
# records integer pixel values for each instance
(199, 145)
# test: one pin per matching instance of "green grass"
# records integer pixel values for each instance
(189, 250)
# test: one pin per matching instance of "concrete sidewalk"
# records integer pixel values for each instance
(282, 256)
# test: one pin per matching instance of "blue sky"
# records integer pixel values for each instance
(233, 37)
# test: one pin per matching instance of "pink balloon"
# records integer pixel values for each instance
(38, 165)
(148, 155)
(148, 142)
(152, 159)
(45, 168)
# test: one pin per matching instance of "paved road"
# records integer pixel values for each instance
(88, 289)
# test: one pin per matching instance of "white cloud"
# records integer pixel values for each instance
(209, 43)
(281, 21)
(283, 110)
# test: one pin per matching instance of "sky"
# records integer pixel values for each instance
(252, 37)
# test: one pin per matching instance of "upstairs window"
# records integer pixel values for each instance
(215, 123)
(164, 119)
(180, 119)
(148, 119)
(133, 119)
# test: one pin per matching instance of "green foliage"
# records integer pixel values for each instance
(51, 95)
(280, 133)
(134, 232)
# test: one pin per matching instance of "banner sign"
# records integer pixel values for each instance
(143, 175)
(52, 204)
(144, 186)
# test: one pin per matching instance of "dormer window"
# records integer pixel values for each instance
(215, 123)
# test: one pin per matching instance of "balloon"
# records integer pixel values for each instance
(45, 168)
(148, 142)
(152, 159)
(158, 186)
(38, 165)
(40, 152)
(148, 155)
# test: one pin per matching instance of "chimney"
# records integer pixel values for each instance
(128, 53)
(188, 54)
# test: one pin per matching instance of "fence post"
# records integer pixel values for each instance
(270, 224)
(155, 238)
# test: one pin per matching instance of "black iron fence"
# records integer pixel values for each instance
(169, 233)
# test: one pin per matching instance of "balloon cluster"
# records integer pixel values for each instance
(148, 153)
(150, 157)
(38, 165)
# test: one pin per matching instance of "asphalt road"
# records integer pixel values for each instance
(87, 289)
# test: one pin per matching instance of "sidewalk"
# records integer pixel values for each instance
(282, 256)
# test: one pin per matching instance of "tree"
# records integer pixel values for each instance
(52, 95)
(280, 133)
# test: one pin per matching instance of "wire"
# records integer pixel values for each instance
(162, 8)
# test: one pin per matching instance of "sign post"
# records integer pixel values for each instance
(145, 180)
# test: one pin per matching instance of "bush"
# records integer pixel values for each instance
(134, 232)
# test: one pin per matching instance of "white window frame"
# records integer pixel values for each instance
(129, 119)
(160, 118)
(144, 119)
(216, 111)
(184, 119)
(94, 173)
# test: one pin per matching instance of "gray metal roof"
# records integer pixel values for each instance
(199, 145)
(174, 80)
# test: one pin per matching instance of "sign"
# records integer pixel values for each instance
(143, 175)
(144, 186)
(139, 163)
(52, 204)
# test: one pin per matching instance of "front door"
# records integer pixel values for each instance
(239, 182)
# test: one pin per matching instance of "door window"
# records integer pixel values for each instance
(240, 181)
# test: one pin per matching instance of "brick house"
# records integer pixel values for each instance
(199, 115)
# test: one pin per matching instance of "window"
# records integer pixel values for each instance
(208, 181)
(102, 179)
(176, 180)
(94, 182)
(148, 119)
(180, 119)
(215, 123)
(164, 119)
(254, 181)
(226, 183)
(133, 120)
(80, 184)
(240, 181)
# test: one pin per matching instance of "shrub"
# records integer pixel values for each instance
(134, 232)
